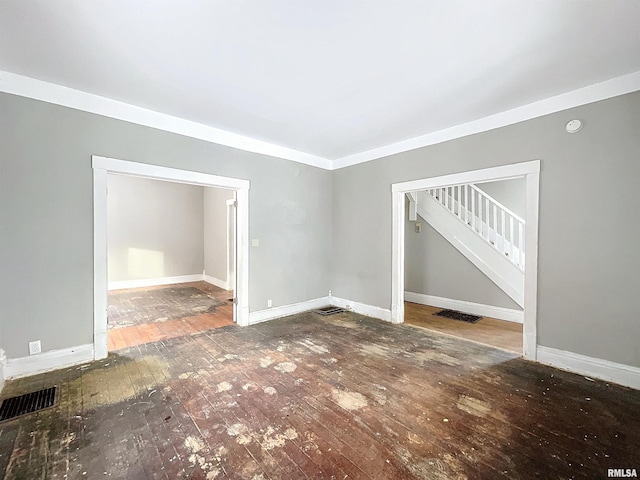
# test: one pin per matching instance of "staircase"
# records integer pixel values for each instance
(486, 232)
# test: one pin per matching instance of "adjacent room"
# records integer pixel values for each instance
(171, 259)
(186, 189)
(465, 261)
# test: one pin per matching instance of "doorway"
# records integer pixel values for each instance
(529, 170)
(168, 250)
(101, 168)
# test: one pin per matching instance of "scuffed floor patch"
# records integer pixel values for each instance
(349, 400)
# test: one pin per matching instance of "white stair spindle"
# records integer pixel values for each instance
(523, 246)
(495, 224)
(466, 204)
(488, 214)
(511, 247)
(503, 228)
(473, 209)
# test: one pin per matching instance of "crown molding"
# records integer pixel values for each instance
(48, 92)
(592, 93)
(88, 102)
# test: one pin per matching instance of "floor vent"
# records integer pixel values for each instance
(455, 315)
(329, 310)
(28, 403)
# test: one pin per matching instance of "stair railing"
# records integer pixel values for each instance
(495, 223)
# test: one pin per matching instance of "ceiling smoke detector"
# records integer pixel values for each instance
(573, 126)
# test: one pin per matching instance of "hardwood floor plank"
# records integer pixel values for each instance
(489, 331)
(311, 397)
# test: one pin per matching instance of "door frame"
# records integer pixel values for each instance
(531, 171)
(231, 244)
(102, 166)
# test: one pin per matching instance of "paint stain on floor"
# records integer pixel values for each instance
(307, 397)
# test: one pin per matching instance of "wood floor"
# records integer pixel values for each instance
(490, 331)
(150, 314)
(309, 397)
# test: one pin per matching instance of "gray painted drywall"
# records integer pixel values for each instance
(589, 260)
(435, 267)
(510, 193)
(154, 228)
(215, 231)
(46, 217)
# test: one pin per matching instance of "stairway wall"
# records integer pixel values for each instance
(510, 193)
(588, 299)
(434, 267)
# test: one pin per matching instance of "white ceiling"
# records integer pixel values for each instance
(328, 78)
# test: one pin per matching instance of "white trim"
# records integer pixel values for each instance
(103, 166)
(592, 367)
(582, 96)
(231, 244)
(215, 281)
(152, 282)
(260, 316)
(397, 256)
(100, 257)
(87, 102)
(167, 174)
(68, 97)
(3, 365)
(531, 171)
(363, 308)
(530, 330)
(501, 313)
(47, 361)
(491, 174)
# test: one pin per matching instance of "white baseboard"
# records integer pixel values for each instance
(592, 367)
(3, 363)
(363, 308)
(47, 361)
(501, 313)
(285, 310)
(152, 282)
(215, 281)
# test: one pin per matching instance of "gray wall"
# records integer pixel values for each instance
(589, 259)
(46, 215)
(435, 267)
(303, 216)
(155, 228)
(510, 193)
(215, 231)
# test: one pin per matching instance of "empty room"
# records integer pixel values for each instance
(163, 237)
(328, 240)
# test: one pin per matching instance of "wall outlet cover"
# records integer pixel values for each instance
(34, 347)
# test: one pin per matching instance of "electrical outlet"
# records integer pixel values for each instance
(269, 303)
(418, 227)
(255, 242)
(34, 347)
